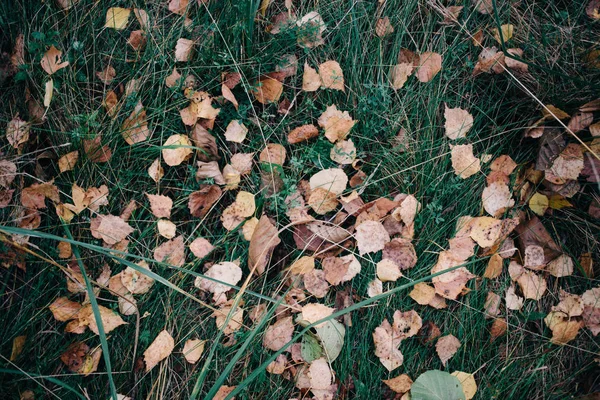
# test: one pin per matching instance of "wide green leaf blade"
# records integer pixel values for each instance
(436, 385)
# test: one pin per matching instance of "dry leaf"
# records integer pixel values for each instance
(235, 322)
(8, 172)
(302, 134)
(137, 282)
(371, 237)
(160, 205)
(310, 30)
(235, 132)
(383, 27)
(591, 310)
(532, 285)
(567, 166)
(51, 62)
(184, 49)
(490, 60)
(446, 347)
(117, 18)
(173, 79)
(311, 81)
(193, 349)
(332, 76)
(539, 203)
(201, 247)
(166, 228)
(400, 384)
(450, 284)
(161, 348)
(343, 152)
(178, 6)
(494, 267)
(388, 271)
(467, 381)
(422, 293)
(64, 309)
(465, 164)
(399, 74)
(135, 127)
(504, 34)
(458, 122)
(429, 66)
(314, 312)
(279, 334)
(267, 90)
(337, 124)
(110, 228)
(563, 329)
(110, 319)
(375, 288)
(229, 96)
(171, 252)
(515, 64)
(201, 201)
(315, 283)
(226, 272)
(560, 266)
(176, 149)
(263, 242)
(243, 207)
(277, 367)
(107, 75)
(333, 180)
(497, 198)
(66, 162)
(17, 132)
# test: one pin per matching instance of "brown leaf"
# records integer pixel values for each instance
(263, 242)
(465, 164)
(193, 349)
(311, 81)
(176, 149)
(17, 132)
(458, 122)
(95, 151)
(110, 228)
(64, 309)
(201, 201)
(273, 153)
(279, 334)
(337, 124)
(235, 132)
(401, 252)
(371, 237)
(35, 195)
(267, 90)
(137, 282)
(171, 252)
(51, 62)
(201, 247)
(446, 347)
(184, 49)
(400, 384)
(110, 319)
(135, 127)
(66, 162)
(497, 198)
(107, 75)
(399, 74)
(161, 348)
(310, 30)
(331, 75)
(383, 27)
(302, 134)
(314, 312)
(429, 65)
(226, 272)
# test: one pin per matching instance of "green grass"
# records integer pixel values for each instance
(555, 36)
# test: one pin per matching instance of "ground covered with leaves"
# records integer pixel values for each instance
(297, 199)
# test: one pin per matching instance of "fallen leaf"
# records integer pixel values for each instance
(235, 322)
(278, 366)
(201, 201)
(383, 27)
(490, 60)
(235, 132)
(66, 162)
(110, 228)
(263, 242)
(110, 319)
(399, 74)
(171, 252)
(201, 247)
(302, 133)
(400, 384)
(450, 284)
(315, 283)
(117, 18)
(17, 132)
(176, 149)
(314, 312)
(567, 166)
(267, 90)
(458, 122)
(311, 81)
(161, 348)
(178, 6)
(193, 349)
(560, 266)
(310, 30)
(371, 237)
(135, 127)
(429, 65)
(51, 62)
(465, 164)
(563, 329)
(243, 207)
(437, 385)
(532, 285)
(64, 309)
(497, 198)
(494, 267)
(375, 288)
(273, 153)
(332, 76)
(184, 49)
(160, 205)
(492, 305)
(337, 124)
(137, 282)
(591, 310)
(446, 347)
(469, 386)
(538, 203)
(388, 271)
(173, 79)
(223, 391)
(226, 272)
(279, 334)
(166, 228)
(504, 34)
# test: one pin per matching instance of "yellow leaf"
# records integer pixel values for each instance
(504, 34)
(117, 18)
(48, 93)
